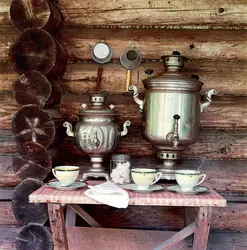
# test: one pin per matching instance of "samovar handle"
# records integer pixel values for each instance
(208, 98)
(135, 96)
(69, 130)
(125, 129)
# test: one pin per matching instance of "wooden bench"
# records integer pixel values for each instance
(73, 238)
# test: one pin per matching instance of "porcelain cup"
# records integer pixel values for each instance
(66, 175)
(144, 177)
(188, 179)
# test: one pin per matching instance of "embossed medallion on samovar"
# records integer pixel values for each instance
(171, 111)
(97, 133)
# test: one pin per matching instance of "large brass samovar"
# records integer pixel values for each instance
(171, 111)
(97, 134)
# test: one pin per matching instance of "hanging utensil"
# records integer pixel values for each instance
(130, 59)
(101, 53)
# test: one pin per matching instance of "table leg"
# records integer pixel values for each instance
(203, 222)
(58, 229)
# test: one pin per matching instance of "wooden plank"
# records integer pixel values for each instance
(212, 45)
(7, 217)
(203, 222)
(56, 217)
(178, 237)
(117, 239)
(81, 77)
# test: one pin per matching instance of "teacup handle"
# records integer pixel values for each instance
(157, 177)
(202, 180)
(54, 172)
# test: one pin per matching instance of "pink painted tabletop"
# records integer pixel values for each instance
(46, 194)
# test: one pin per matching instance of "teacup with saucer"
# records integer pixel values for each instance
(144, 178)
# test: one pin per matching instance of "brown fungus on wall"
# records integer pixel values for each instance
(34, 49)
(31, 123)
(24, 211)
(36, 14)
(32, 160)
(32, 87)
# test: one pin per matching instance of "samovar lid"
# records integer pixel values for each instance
(173, 78)
(97, 106)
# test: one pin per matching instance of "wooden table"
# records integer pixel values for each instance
(202, 206)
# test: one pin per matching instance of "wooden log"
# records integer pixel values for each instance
(32, 161)
(208, 14)
(7, 237)
(7, 176)
(223, 113)
(31, 123)
(36, 49)
(157, 13)
(7, 217)
(34, 236)
(24, 211)
(213, 144)
(194, 44)
(32, 87)
(81, 77)
(36, 14)
(210, 45)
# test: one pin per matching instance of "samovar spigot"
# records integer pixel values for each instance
(173, 137)
(125, 128)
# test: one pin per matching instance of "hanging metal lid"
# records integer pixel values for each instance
(97, 106)
(173, 78)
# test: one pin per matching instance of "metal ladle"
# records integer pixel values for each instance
(130, 59)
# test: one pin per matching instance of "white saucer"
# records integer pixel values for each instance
(134, 188)
(196, 190)
(74, 186)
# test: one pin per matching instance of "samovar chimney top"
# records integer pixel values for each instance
(174, 62)
(97, 99)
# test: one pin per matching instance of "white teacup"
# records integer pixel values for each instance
(144, 177)
(66, 175)
(188, 179)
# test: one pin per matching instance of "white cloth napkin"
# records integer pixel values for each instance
(108, 193)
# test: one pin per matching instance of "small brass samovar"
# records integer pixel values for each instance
(97, 134)
(171, 111)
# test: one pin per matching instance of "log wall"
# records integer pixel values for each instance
(212, 34)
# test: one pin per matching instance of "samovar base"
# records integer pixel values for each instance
(168, 166)
(96, 170)
(85, 176)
